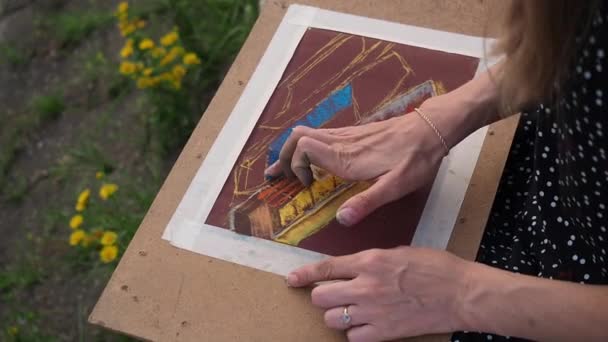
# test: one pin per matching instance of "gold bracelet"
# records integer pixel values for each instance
(430, 123)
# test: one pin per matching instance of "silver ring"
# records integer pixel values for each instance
(346, 317)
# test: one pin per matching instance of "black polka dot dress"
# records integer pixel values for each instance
(550, 217)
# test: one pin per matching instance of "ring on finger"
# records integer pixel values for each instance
(346, 318)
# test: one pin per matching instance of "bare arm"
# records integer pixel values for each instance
(540, 309)
(471, 106)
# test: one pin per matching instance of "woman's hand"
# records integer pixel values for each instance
(389, 294)
(399, 155)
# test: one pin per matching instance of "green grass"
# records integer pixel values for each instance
(23, 326)
(48, 107)
(12, 55)
(72, 27)
(215, 30)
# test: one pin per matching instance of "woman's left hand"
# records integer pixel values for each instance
(389, 294)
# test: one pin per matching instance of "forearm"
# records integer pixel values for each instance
(511, 304)
(471, 106)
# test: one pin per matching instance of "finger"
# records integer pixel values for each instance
(336, 294)
(334, 317)
(358, 207)
(364, 333)
(335, 268)
(273, 170)
(310, 151)
(290, 145)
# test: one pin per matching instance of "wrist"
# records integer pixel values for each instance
(464, 314)
(486, 296)
(465, 109)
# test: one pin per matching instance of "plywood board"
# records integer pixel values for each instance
(162, 293)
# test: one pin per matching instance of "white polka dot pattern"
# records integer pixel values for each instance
(549, 215)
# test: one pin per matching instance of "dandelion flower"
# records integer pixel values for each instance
(108, 254)
(191, 59)
(84, 196)
(158, 52)
(127, 68)
(127, 28)
(127, 50)
(123, 7)
(146, 44)
(169, 39)
(107, 190)
(99, 174)
(77, 237)
(140, 23)
(76, 221)
(147, 71)
(178, 71)
(175, 52)
(80, 207)
(108, 238)
(143, 83)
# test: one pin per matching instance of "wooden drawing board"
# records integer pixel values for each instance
(161, 293)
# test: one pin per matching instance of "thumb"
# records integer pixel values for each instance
(358, 207)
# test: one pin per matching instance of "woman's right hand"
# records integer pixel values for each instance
(398, 155)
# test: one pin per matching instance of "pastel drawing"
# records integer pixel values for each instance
(333, 80)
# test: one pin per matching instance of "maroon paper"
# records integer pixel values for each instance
(333, 80)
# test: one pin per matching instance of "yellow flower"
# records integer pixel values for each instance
(169, 39)
(166, 76)
(191, 59)
(178, 71)
(77, 237)
(107, 190)
(99, 174)
(147, 71)
(80, 207)
(76, 221)
(108, 254)
(127, 68)
(84, 196)
(127, 50)
(145, 82)
(140, 23)
(123, 7)
(108, 238)
(175, 52)
(13, 331)
(146, 44)
(127, 28)
(158, 52)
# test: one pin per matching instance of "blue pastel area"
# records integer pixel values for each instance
(335, 103)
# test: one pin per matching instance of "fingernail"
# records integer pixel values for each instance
(346, 217)
(292, 279)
